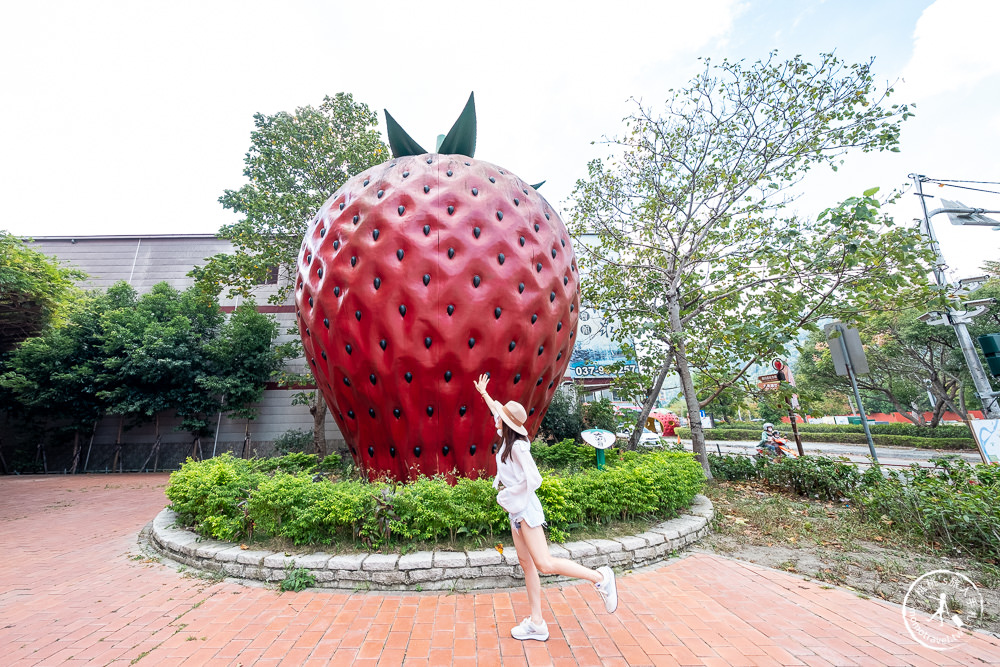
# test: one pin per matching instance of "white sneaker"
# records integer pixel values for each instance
(528, 630)
(608, 589)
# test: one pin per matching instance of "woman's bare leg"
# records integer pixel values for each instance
(537, 547)
(531, 581)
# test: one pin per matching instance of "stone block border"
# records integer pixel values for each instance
(423, 570)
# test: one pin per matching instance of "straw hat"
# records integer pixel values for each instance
(513, 414)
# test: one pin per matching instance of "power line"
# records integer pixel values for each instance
(964, 187)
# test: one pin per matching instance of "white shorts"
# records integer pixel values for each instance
(533, 514)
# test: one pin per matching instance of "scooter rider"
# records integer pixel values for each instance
(767, 437)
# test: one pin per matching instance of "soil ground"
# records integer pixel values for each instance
(825, 542)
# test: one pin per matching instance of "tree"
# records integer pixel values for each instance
(295, 162)
(57, 375)
(34, 290)
(687, 237)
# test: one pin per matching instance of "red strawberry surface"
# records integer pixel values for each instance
(415, 277)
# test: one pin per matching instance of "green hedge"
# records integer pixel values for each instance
(813, 476)
(846, 437)
(232, 499)
(911, 430)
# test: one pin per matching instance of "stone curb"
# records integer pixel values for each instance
(424, 570)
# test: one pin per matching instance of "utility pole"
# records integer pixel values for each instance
(849, 366)
(958, 319)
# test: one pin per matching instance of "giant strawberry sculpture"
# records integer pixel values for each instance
(415, 277)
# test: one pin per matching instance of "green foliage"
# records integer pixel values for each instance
(231, 499)
(812, 476)
(295, 162)
(35, 291)
(696, 255)
(563, 420)
(955, 504)
(568, 454)
(600, 414)
(293, 440)
(856, 437)
(297, 579)
(735, 467)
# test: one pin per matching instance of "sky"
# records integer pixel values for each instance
(134, 117)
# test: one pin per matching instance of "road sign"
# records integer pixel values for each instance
(768, 386)
(777, 364)
(773, 377)
(851, 341)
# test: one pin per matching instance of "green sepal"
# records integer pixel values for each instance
(461, 139)
(400, 142)
(538, 185)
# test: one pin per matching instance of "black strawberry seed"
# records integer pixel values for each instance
(336, 291)
(309, 259)
(375, 235)
(525, 191)
(547, 216)
(416, 452)
(501, 258)
(378, 283)
(521, 241)
(559, 326)
(551, 383)
(450, 172)
(429, 160)
(405, 174)
(541, 348)
(353, 451)
(538, 267)
(565, 280)
(322, 353)
(383, 344)
(402, 311)
(499, 215)
(336, 245)
(346, 381)
(511, 346)
(401, 210)
(322, 232)
(373, 379)
(451, 210)
(475, 192)
(520, 288)
(537, 227)
(313, 361)
(366, 182)
(380, 193)
(552, 297)
(475, 283)
(310, 302)
(326, 322)
(427, 189)
(468, 164)
(350, 413)
(559, 356)
(472, 343)
(571, 307)
(444, 450)
(427, 279)
(399, 254)
(553, 253)
(476, 231)
(307, 331)
(357, 315)
(427, 230)
(451, 253)
(563, 242)
(534, 318)
(396, 413)
(472, 449)
(392, 452)
(356, 219)
(517, 378)
(354, 261)
(447, 376)
(430, 410)
(427, 342)
(496, 312)
(451, 309)
(371, 452)
(371, 412)
(492, 180)
(461, 411)
(531, 412)
(539, 383)
(341, 206)
(408, 377)
(516, 202)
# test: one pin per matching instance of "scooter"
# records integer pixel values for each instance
(776, 446)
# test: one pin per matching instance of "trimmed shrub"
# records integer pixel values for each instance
(231, 499)
(845, 437)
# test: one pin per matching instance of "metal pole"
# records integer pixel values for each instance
(857, 394)
(984, 390)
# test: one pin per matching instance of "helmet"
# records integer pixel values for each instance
(768, 425)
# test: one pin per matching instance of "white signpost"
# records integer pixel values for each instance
(987, 433)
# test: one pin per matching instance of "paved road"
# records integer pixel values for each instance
(75, 589)
(895, 456)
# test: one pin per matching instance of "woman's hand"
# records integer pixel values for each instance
(481, 383)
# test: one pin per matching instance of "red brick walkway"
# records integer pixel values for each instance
(74, 589)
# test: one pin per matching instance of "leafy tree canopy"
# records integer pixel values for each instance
(34, 291)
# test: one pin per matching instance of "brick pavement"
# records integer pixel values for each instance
(75, 589)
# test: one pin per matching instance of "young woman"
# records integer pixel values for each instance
(518, 475)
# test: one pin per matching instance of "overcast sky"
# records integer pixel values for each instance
(133, 117)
